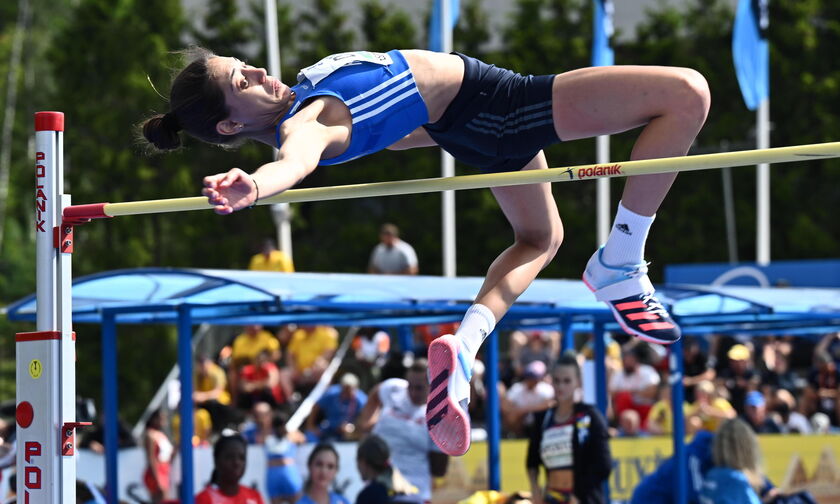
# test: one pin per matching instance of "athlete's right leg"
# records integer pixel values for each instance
(537, 230)
(671, 104)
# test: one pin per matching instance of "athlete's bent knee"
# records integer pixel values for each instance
(694, 97)
(547, 241)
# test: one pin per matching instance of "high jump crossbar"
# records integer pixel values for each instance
(394, 188)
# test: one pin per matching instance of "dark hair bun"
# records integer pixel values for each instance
(162, 131)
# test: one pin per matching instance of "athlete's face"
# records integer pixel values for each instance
(230, 463)
(418, 387)
(565, 383)
(255, 99)
(323, 468)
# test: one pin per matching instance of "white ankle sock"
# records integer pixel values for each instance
(626, 243)
(478, 322)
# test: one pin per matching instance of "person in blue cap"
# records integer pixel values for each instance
(755, 414)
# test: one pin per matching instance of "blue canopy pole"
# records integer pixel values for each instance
(677, 398)
(110, 401)
(601, 379)
(568, 342)
(494, 431)
(406, 336)
(185, 367)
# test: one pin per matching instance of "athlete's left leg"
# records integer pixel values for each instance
(537, 230)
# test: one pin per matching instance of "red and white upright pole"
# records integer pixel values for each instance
(46, 374)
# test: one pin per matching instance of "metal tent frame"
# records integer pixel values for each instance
(187, 297)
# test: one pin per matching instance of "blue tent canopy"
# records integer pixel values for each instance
(230, 297)
(152, 295)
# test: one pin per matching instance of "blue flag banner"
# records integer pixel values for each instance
(602, 51)
(435, 36)
(751, 52)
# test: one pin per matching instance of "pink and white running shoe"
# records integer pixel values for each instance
(449, 396)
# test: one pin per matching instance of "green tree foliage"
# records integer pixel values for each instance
(386, 29)
(223, 29)
(472, 33)
(322, 31)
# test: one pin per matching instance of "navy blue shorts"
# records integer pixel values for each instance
(499, 120)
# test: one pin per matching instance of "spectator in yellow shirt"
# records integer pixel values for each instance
(661, 416)
(253, 340)
(211, 393)
(271, 259)
(709, 410)
(309, 353)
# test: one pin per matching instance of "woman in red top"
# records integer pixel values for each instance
(259, 382)
(228, 468)
(159, 452)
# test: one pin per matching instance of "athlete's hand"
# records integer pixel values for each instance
(229, 192)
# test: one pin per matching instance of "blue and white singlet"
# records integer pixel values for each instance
(379, 90)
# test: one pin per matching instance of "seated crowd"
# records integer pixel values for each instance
(253, 385)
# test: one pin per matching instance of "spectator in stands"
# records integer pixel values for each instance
(260, 382)
(755, 414)
(629, 424)
(571, 441)
(385, 483)
(696, 366)
(244, 350)
(370, 349)
(529, 346)
(253, 340)
(786, 415)
(258, 428)
(340, 407)
(635, 386)
(202, 427)
(661, 415)
(282, 478)
(526, 397)
(229, 457)
(211, 393)
(709, 410)
(392, 256)
(613, 353)
(778, 375)
(371, 345)
(310, 351)
(821, 394)
(396, 412)
(270, 258)
(323, 468)
(830, 343)
(739, 377)
(159, 452)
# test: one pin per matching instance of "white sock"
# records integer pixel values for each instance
(478, 322)
(626, 243)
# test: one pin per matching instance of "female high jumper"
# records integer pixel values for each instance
(353, 104)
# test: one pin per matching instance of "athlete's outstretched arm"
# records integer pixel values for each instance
(297, 158)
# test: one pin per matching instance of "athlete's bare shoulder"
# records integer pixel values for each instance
(322, 115)
(438, 77)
